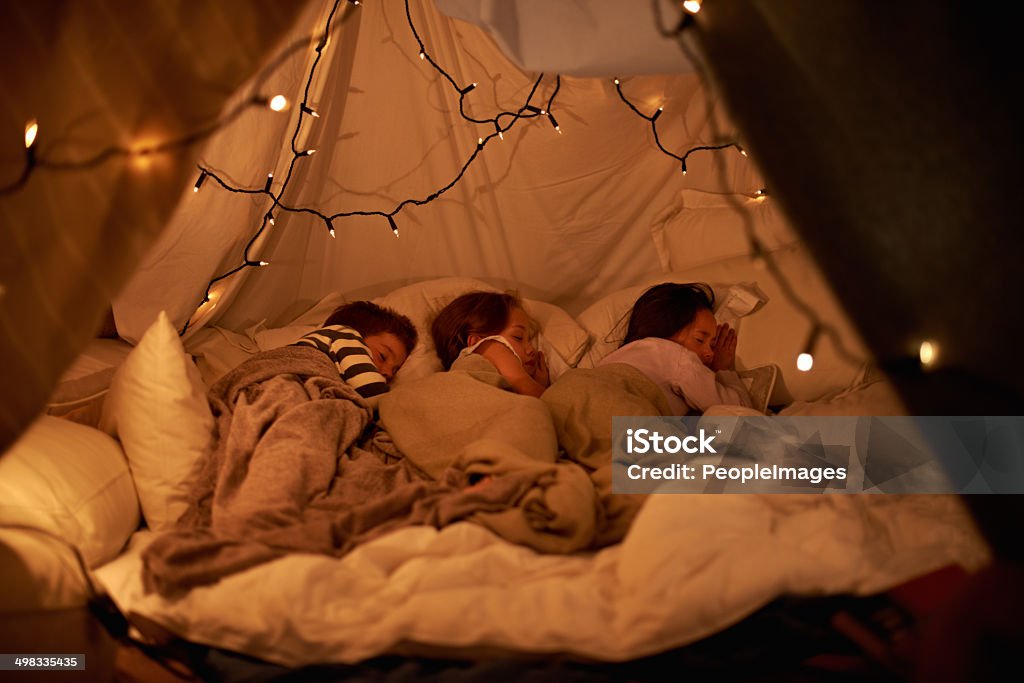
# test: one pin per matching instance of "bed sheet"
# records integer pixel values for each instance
(689, 567)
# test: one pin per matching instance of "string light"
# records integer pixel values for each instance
(554, 123)
(330, 227)
(309, 152)
(270, 217)
(31, 131)
(394, 226)
(929, 354)
(692, 6)
(278, 103)
(307, 110)
(200, 181)
(653, 118)
(761, 194)
(805, 361)
(270, 179)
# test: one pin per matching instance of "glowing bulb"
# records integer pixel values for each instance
(761, 194)
(330, 227)
(278, 102)
(804, 362)
(616, 81)
(656, 114)
(692, 6)
(264, 263)
(31, 130)
(199, 182)
(310, 152)
(423, 55)
(929, 353)
(270, 179)
(394, 226)
(742, 151)
(311, 112)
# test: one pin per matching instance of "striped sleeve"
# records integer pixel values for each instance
(348, 351)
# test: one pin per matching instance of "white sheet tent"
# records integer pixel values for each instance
(886, 133)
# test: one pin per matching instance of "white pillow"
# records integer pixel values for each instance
(703, 227)
(157, 407)
(606, 319)
(72, 481)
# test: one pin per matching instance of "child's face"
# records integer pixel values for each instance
(518, 331)
(699, 335)
(387, 351)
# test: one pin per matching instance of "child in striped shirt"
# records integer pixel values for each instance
(368, 344)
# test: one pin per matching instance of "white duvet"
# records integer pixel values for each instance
(690, 566)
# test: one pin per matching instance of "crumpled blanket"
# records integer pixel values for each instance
(467, 419)
(582, 404)
(289, 473)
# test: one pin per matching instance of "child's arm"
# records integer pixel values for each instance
(510, 367)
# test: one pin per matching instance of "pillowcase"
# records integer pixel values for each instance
(157, 408)
(72, 481)
(606, 320)
(79, 394)
(703, 227)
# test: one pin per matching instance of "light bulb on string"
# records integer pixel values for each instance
(692, 6)
(264, 263)
(311, 112)
(928, 353)
(330, 227)
(394, 226)
(31, 132)
(270, 180)
(309, 152)
(761, 194)
(466, 90)
(554, 123)
(656, 114)
(200, 181)
(270, 217)
(742, 151)
(501, 135)
(278, 103)
(682, 163)
(805, 361)
(423, 55)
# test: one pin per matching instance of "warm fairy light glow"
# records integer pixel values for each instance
(804, 362)
(310, 152)
(264, 263)
(278, 102)
(761, 194)
(742, 151)
(199, 182)
(929, 353)
(270, 179)
(31, 130)
(692, 6)
(423, 55)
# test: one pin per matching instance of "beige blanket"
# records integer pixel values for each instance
(582, 404)
(289, 474)
(467, 419)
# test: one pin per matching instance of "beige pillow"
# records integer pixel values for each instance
(72, 481)
(157, 408)
(703, 227)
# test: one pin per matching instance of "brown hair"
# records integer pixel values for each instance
(483, 313)
(663, 310)
(368, 318)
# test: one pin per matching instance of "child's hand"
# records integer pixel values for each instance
(724, 346)
(540, 371)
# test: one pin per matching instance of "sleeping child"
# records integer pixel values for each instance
(495, 326)
(673, 338)
(366, 342)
